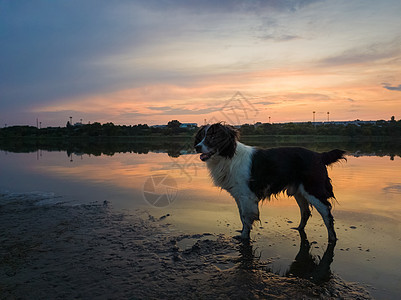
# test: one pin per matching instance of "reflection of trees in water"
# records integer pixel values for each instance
(175, 147)
(99, 147)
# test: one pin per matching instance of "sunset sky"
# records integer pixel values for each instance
(131, 62)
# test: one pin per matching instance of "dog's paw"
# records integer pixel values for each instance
(241, 237)
(237, 237)
(298, 228)
(245, 236)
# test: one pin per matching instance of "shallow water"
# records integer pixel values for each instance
(177, 189)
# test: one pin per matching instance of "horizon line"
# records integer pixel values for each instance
(259, 122)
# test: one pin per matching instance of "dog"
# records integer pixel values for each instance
(253, 174)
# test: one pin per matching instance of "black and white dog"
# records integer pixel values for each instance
(251, 174)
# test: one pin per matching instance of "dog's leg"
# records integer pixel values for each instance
(250, 213)
(325, 212)
(240, 214)
(304, 208)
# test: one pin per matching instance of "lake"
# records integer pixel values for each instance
(168, 180)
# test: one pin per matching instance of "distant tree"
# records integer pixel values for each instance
(174, 124)
(109, 129)
(247, 129)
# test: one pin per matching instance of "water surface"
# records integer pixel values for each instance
(171, 181)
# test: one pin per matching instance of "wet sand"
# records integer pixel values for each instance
(50, 251)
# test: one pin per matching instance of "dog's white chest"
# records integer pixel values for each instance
(232, 174)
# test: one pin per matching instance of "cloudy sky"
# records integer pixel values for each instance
(131, 62)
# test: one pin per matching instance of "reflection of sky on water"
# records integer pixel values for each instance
(362, 184)
(367, 211)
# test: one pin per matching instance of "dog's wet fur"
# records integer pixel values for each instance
(252, 174)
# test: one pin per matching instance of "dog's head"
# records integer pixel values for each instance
(216, 139)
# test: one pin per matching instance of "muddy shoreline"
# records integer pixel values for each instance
(50, 251)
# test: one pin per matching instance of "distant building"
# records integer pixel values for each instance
(189, 125)
(355, 122)
(344, 123)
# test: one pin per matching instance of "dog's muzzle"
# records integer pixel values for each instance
(205, 155)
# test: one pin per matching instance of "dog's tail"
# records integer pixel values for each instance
(333, 156)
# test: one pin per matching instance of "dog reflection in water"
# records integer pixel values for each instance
(305, 265)
(309, 266)
(251, 174)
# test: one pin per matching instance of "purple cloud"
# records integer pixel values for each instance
(393, 88)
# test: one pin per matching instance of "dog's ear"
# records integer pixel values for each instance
(199, 135)
(228, 144)
(233, 131)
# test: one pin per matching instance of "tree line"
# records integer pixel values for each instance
(93, 130)
(390, 128)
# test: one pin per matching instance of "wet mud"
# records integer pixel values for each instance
(54, 251)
